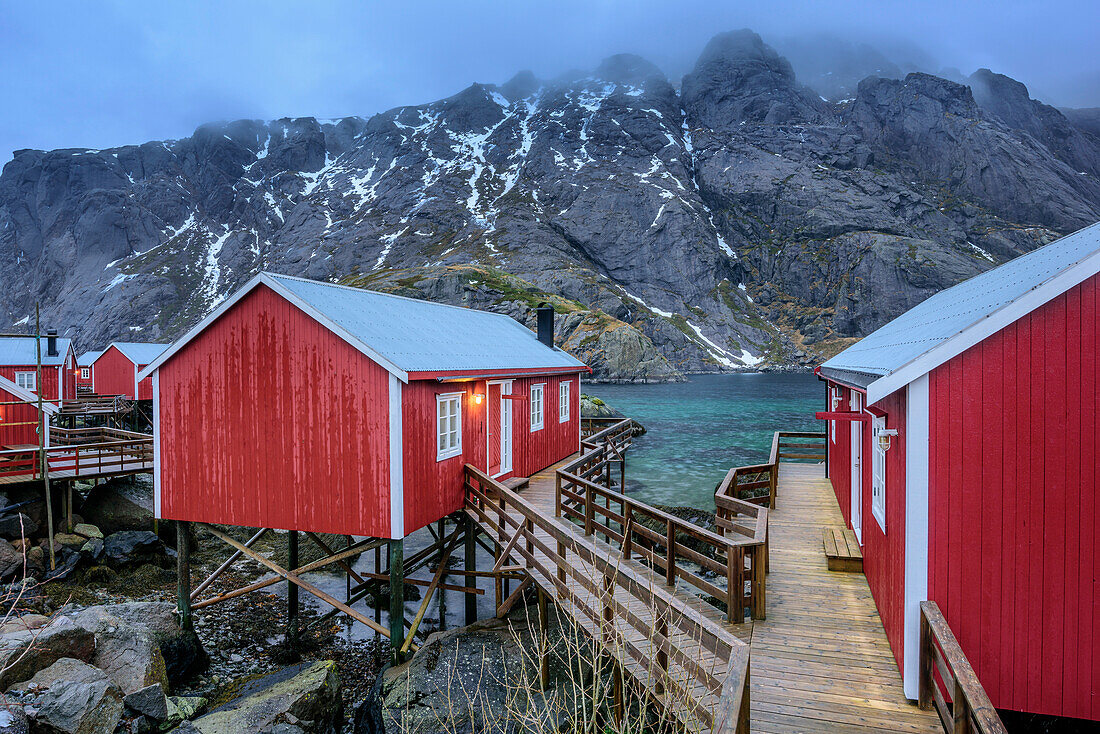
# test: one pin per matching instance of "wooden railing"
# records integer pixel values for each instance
(595, 424)
(797, 446)
(948, 682)
(681, 550)
(744, 483)
(95, 434)
(83, 459)
(614, 599)
(90, 403)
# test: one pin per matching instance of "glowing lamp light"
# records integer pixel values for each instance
(478, 397)
(884, 437)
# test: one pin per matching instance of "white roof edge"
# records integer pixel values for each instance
(27, 395)
(293, 298)
(1048, 290)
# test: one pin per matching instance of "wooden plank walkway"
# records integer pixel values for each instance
(821, 662)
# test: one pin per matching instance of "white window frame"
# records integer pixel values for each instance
(540, 404)
(878, 472)
(448, 444)
(85, 373)
(26, 380)
(565, 391)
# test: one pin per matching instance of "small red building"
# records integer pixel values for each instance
(19, 364)
(115, 370)
(19, 416)
(309, 406)
(84, 370)
(964, 451)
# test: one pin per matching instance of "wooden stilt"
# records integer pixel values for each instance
(379, 575)
(397, 596)
(544, 643)
(183, 573)
(443, 579)
(68, 507)
(470, 564)
(291, 589)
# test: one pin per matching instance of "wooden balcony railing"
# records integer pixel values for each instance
(681, 550)
(619, 605)
(948, 682)
(80, 460)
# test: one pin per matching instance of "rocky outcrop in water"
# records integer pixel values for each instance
(737, 220)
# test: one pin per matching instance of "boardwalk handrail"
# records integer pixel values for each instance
(92, 434)
(741, 482)
(584, 493)
(945, 671)
(91, 403)
(83, 459)
(596, 608)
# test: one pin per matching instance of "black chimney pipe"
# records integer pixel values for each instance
(51, 342)
(545, 318)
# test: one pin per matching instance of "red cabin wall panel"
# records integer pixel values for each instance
(50, 379)
(267, 419)
(113, 374)
(840, 456)
(145, 387)
(884, 551)
(556, 440)
(11, 433)
(1013, 526)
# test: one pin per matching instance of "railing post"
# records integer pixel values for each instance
(670, 543)
(662, 653)
(557, 494)
(925, 681)
(735, 584)
(759, 593)
(773, 483)
(589, 509)
(960, 711)
(628, 532)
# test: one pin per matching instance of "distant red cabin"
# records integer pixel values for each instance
(84, 371)
(986, 499)
(115, 370)
(308, 406)
(19, 363)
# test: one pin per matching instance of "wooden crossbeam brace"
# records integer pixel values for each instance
(342, 563)
(444, 556)
(508, 549)
(226, 564)
(297, 581)
(507, 604)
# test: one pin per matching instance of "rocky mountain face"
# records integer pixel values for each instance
(736, 221)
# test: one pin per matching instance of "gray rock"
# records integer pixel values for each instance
(92, 549)
(304, 696)
(119, 504)
(182, 651)
(149, 701)
(78, 699)
(127, 652)
(182, 708)
(11, 560)
(88, 530)
(17, 525)
(24, 653)
(132, 546)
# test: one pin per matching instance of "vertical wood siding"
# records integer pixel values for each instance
(49, 379)
(269, 420)
(840, 457)
(11, 434)
(1013, 523)
(145, 387)
(114, 375)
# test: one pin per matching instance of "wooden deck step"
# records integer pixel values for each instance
(517, 483)
(842, 551)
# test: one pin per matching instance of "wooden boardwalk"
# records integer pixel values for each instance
(820, 662)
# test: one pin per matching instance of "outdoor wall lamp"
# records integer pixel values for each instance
(884, 437)
(478, 397)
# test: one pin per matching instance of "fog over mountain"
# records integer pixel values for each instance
(734, 217)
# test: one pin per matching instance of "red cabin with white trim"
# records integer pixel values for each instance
(115, 370)
(308, 406)
(19, 421)
(19, 363)
(963, 450)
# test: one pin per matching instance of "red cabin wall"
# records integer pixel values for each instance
(13, 435)
(884, 550)
(50, 379)
(1014, 529)
(840, 455)
(113, 374)
(536, 450)
(267, 419)
(145, 387)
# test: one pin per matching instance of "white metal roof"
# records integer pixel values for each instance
(955, 319)
(137, 352)
(86, 359)
(21, 350)
(405, 334)
(26, 395)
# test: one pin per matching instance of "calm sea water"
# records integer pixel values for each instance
(697, 430)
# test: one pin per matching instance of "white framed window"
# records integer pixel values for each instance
(878, 472)
(25, 380)
(563, 401)
(448, 425)
(537, 392)
(85, 373)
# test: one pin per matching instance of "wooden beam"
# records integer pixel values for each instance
(440, 570)
(294, 579)
(183, 573)
(397, 596)
(342, 563)
(225, 565)
(507, 604)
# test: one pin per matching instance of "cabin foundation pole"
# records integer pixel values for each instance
(544, 652)
(377, 575)
(470, 563)
(443, 577)
(291, 589)
(183, 573)
(397, 596)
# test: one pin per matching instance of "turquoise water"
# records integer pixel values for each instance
(697, 430)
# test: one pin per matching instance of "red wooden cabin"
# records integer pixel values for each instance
(19, 416)
(84, 371)
(19, 363)
(115, 370)
(985, 500)
(308, 406)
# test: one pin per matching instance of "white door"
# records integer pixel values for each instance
(505, 428)
(857, 468)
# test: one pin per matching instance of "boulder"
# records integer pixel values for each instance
(25, 652)
(11, 560)
(24, 622)
(149, 701)
(77, 699)
(70, 539)
(132, 546)
(17, 525)
(120, 504)
(304, 697)
(182, 708)
(127, 652)
(92, 550)
(88, 530)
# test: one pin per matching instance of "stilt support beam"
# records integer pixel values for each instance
(183, 573)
